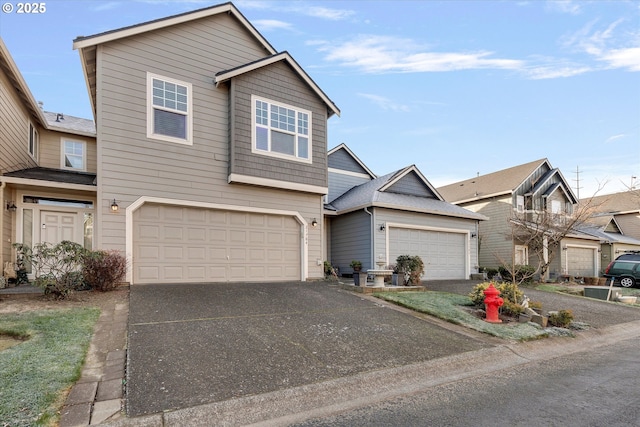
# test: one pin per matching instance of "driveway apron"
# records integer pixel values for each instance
(191, 344)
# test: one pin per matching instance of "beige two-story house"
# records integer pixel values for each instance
(213, 146)
(525, 189)
(47, 169)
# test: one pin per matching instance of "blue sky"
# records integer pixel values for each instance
(454, 87)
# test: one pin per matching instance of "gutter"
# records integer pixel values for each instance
(371, 255)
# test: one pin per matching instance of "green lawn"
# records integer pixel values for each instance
(35, 373)
(449, 307)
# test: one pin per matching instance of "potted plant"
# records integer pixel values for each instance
(394, 275)
(356, 265)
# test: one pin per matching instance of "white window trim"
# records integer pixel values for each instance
(84, 155)
(255, 150)
(525, 253)
(150, 108)
(519, 204)
(36, 145)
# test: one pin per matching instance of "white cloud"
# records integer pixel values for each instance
(326, 13)
(554, 72)
(564, 6)
(299, 8)
(384, 54)
(614, 137)
(385, 103)
(628, 58)
(271, 24)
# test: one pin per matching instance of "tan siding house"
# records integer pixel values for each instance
(527, 190)
(47, 170)
(206, 189)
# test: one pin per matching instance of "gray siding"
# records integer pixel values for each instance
(277, 82)
(341, 159)
(132, 166)
(494, 234)
(351, 240)
(412, 185)
(629, 224)
(340, 184)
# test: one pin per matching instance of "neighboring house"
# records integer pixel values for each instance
(47, 169)
(617, 222)
(211, 153)
(374, 219)
(527, 188)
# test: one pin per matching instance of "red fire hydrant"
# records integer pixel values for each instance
(492, 302)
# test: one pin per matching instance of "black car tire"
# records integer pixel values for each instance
(627, 282)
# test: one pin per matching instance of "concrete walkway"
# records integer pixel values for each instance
(97, 397)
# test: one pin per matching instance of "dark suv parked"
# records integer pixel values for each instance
(625, 270)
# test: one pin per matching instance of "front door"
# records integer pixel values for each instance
(58, 226)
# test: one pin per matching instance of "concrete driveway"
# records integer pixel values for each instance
(191, 344)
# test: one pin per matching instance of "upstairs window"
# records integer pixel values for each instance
(169, 116)
(34, 141)
(520, 204)
(281, 130)
(74, 155)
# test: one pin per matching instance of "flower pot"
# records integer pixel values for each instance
(394, 279)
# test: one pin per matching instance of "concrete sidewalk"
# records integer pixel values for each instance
(98, 395)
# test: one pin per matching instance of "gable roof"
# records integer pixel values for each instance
(606, 236)
(375, 193)
(493, 184)
(223, 76)
(20, 86)
(560, 185)
(346, 149)
(617, 203)
(87, 45)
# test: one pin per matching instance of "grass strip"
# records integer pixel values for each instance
(35, 373)
(448, 307)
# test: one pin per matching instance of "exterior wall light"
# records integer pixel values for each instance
(314, 223)
(11, 206)
(114, 206)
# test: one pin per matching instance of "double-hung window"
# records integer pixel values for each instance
(169, 116)
(74, 155)
(281, 130)
(34, 139)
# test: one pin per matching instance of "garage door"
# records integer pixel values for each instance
(581, 262)
(174, 244)
(443, 253)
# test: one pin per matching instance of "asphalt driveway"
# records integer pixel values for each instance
(191, 344)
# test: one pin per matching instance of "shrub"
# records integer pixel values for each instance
(509, 292)
(55, 267)
(511, 309)
(561, 318)
(411, 267)
(491, 272)
(102, 270)
(523, 273)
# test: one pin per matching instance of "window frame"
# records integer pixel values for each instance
(63, 165)
(151, 134)
(33, 141)
(296, 134)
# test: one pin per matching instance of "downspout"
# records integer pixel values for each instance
(3, 210)
(372, 254)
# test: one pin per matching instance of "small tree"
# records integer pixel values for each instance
(411, 268)
(55, 267)
(541, 231)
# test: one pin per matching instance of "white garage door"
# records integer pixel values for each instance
(443, 253)
(581, 262)
(174, 244)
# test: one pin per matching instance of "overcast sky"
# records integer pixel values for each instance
(454, 87)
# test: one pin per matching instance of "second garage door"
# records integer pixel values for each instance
(443, 253)
(581, 261)
(173, 244)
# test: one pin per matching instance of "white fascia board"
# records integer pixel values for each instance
(348, 173)
(480, 198)
(48, 184)
(275, 183)
(170, 21)
(283, 56)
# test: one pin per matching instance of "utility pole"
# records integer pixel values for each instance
(633, 181)
(577, 180)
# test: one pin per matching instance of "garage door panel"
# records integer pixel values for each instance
(173, 244)
(443, 253)
(581, 261)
